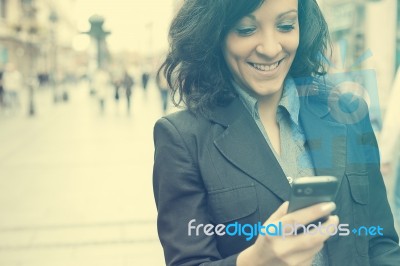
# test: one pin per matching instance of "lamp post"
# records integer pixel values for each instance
(30, 29)
(98, 34)
(53, 18)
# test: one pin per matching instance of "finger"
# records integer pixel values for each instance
(279, 213)
(306, 257)
(317, 236)
(313, 235)
(301, 249)
(291, 251)
(309, 214)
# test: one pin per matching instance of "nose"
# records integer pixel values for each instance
(269, 45)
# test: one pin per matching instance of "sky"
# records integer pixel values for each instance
(136, 25)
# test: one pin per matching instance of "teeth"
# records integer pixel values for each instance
(266, 67)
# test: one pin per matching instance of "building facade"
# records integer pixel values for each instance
(36, 36)
(364, 27)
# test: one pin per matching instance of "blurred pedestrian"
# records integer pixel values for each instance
(1, 90)
(116, 84)
(145, 79)
(163, 87)
(13, 84)
(389, 144)
(101, 81)
(128, 83)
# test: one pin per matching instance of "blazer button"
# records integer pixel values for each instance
(290, 180)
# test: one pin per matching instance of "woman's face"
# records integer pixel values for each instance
(260, 48)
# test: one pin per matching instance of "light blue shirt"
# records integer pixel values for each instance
(294, 158)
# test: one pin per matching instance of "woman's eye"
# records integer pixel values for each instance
(245, 31)
(286, 28)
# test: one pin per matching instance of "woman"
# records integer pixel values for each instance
(251, 126)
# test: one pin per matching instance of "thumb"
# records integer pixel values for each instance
(279, 213)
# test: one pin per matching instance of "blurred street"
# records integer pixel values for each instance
(76, 186)
(76, 161)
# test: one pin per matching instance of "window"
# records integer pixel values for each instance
(3, 5)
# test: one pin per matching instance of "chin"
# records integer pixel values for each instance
(267, 89)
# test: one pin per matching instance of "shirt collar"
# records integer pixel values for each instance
(249, 101)
(289, 100)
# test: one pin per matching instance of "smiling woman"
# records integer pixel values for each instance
(258, 116)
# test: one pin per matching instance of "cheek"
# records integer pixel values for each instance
(233, 66)
(236, 49)
(290, 42)
(294, 41)
(232, 59)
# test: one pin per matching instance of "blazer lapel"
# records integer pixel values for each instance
(325, 137)
(327, 141)
(243, 144)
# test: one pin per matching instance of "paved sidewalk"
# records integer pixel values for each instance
(75, 185)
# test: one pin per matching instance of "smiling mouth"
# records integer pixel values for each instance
(266, 68)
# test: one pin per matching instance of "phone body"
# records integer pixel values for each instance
(307, 191)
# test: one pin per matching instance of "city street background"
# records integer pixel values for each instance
(76, 185)
(76, 160)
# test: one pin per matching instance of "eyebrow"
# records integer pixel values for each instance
(287, 12)
(279, 16)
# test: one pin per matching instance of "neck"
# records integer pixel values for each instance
(268, 105)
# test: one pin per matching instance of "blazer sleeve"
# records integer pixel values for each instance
(383, 250)
(181, 197)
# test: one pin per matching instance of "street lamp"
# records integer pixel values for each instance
(97, 32)
(29, 12)
(53, 18)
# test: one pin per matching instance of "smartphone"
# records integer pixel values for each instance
(307, 191)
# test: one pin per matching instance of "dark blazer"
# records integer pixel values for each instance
(219, 169)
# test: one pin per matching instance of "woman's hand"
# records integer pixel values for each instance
(292, 249)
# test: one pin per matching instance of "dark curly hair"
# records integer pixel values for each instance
(195, 67)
